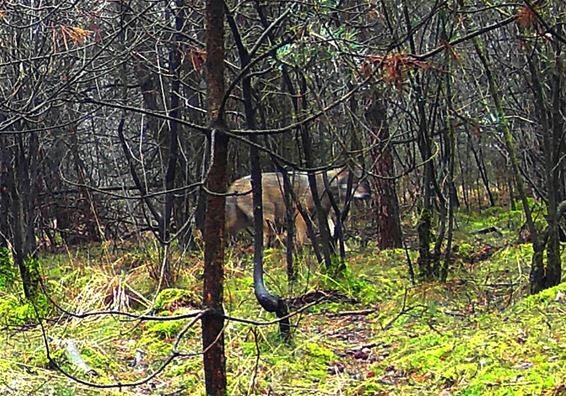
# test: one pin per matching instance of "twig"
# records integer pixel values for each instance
(429, 323)
(256, 365)
(402, 312)
(174, 354)
(362, 312)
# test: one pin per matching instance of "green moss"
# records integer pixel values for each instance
(97, 360)
(465, 250)
(319, 352)
(473, 335)
(7, 270)
(39, 358)
(163, 330)
(16, 311)
(66, 392)
(170, 299)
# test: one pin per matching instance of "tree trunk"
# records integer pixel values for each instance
(385, 202)
(213, 291)
(327, 248)
(543, 276)
(21, 190)
(268, 301)
(4, 196)
(424, 227)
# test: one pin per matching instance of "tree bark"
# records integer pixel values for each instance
(424, 226)
(385, 202)
(21, 188)
(213, 291)
(543, 276)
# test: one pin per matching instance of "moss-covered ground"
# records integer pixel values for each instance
(376, 333)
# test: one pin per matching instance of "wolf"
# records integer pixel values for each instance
(239, 205)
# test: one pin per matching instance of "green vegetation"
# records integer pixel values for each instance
(7, 270)
(477, 334)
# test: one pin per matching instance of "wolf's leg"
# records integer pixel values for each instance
(268, 222)
(300, 230)
(267, 233)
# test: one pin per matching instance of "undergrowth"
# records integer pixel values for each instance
(375, 333)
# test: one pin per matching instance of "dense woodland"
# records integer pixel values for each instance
(123, 125)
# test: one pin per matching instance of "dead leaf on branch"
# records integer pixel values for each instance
(198, 58)
(526, 17)
(76, 34)
(395, 66)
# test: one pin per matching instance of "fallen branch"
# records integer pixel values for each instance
(363, 312)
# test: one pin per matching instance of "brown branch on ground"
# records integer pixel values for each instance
(363, 312)
(320, 296)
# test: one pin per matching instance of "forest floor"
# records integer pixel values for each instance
(372, 333)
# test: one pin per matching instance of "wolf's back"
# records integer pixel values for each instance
(239, 208)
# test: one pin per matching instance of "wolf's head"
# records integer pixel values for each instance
(339, 177)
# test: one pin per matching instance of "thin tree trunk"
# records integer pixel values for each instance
(22, 203)
(327, 249)
(213, 290)
(543, 276)
(424, 226)
(537, 265)
(481, 168)
(268, 301)
(450, 148)
(385, 203)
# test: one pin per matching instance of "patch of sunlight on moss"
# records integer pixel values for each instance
(465, 250)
